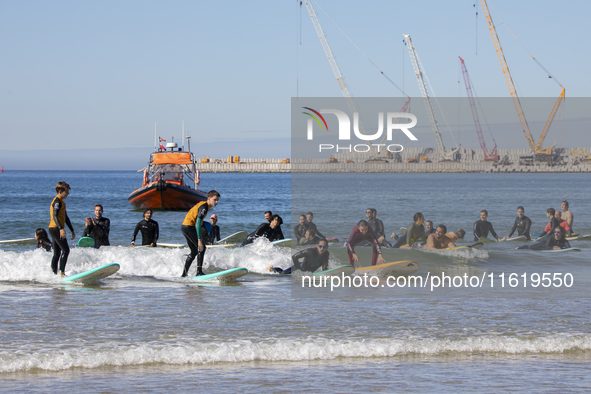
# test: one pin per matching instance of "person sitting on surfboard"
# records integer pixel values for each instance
(268, 218)
(310, 224)
(59, 219)
(149, 229)
(42, 239)
(362, 232)
(554, 222)
(271, 231)
(310, 238)
(567, 215)
(482, 227)
(457, 235)
(429, 228)
(98, 228)
(522, 224)
(214, 233)
(563, 223)
(313, 258)
(377, 226)
(438, 240)
(414, 232)
(555, 242)
(195, 233)
(300, 230)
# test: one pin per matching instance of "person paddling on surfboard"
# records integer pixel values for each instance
(362, 232)
(438, 240)
(414, 232)
(98, 227)
(482, 227)
(266, 230)
(555, 242)
(522, 224)
(313, 258)
(149, 229)
(59, 219)
(195, 233)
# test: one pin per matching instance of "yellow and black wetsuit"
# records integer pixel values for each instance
(59, 219)
(193, 230)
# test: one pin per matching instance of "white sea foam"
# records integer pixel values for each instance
(282, 350)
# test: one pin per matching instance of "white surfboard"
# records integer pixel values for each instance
(562, 250)
(343, 269)
(477, 245)
(579, 238)
(165, 245)
(19, 241)
(282, 243)
(518, 238)
(397, 268)
(222, 276)
(93, 275)
(235, 238)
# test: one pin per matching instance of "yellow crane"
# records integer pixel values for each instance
(536, 148)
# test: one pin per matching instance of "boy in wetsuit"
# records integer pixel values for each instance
(149, 229)
(59, 219)
(314, 258)
(195, 233)
(361, 232)
(522, 224)
(482, 227)
(98, 227)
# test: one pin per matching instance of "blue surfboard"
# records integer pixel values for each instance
(86, 242)
(93, 275)
(222, 276)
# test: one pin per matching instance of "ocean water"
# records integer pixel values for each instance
(146, 329)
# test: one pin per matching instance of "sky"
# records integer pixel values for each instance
(83, 84)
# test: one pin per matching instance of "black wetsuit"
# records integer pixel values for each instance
(523, 226)
(189, 230)
(299, 231)
(378, 228)
(312, 226)
(99, 231)
(214, 235)
(264, 230)
(61, 250)
(313, 241)
(482, 228)
(427, 233)
(150, 232)
(553, 224)
(547, 244)
(312, 261)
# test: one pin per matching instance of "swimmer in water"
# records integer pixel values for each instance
(482, 227)
(522, 224)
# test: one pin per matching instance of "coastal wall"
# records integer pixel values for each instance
(470, 160)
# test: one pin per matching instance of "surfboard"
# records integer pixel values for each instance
(165, 245)
(562, 250)
(93, 275)
(235, 238)
(222, 276)
(282, 242)
(534, 234)
(484, 239)
(18, 241)
(397, 268)
(477, 245)
(332, 240)
(343, 269)
(403, 230)
(518, 238)
(86, 242)
(579, 238)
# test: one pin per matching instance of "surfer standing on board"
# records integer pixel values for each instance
(149, 229)
(59, 219)
(438, 240)
(361, 232)
(482, 227)
(195, 233)
(522, 224)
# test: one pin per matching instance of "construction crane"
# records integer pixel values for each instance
(536, 148)
(488, 155)
(416, 63)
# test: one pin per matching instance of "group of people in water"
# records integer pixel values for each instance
(369, 232)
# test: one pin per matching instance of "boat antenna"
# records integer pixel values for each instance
(183, 136)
